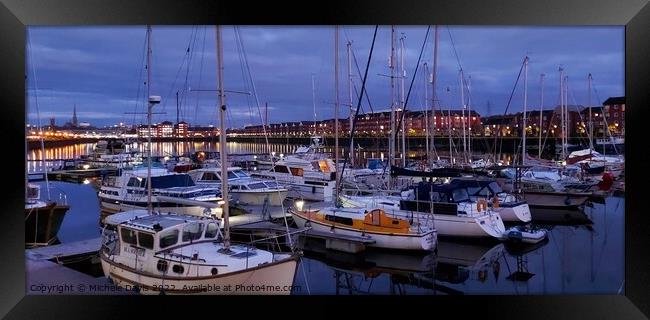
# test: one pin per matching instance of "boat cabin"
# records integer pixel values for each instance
(137, 232)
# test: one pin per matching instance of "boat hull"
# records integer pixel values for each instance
(423, 241)
(274, 278)
(555, 200)
(445, 225)
(516, 213)
(43, 224)
(311, 192)
(276, 198)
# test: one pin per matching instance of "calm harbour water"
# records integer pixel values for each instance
(574, 260)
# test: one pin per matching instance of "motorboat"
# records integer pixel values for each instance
(243, 188)
(170, 253)
(172, 192)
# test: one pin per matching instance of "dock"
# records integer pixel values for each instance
(80, 175)
(47, 273)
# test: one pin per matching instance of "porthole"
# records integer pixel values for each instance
(161, 266)
(177, 268)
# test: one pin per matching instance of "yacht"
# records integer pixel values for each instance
(313, 180)
(509, 207)
(129, 191)
(243, 188)
(448, 207)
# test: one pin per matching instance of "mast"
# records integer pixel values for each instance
(426, 113)
(313, 98)
(433, 88)
(349, 56)
(336, 107)
(391, 65)
(541, 107)
(222, 142)
(451, 157)
(591, 123)
(523, 129)
(462, 112)
(566, 117)
(561, 70)
(150, 106)
(469, 117)
(403, 98)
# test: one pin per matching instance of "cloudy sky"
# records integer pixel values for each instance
(102, 71)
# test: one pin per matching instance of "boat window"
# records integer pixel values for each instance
(483, 192)
(171, 181)
(473, 190)
(281, 169)
(192, 231)
(495, 187)
(145, 240)
(168, 238)
(315, 165)
(323, 166)
(257, 185)
(436, 197)
(337, 219)
(232, 175)
(211, 230)
(297, 172)
(128, 236)
(210, 176)
(136, 182)
(271, 184)
(459, 195)
(241, 174)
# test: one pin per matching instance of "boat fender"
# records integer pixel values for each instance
(495, 202)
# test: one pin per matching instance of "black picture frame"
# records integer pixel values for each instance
(16, 14)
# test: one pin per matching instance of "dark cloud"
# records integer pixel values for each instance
(101, 69)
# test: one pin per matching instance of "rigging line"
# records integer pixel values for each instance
(243, 73)
(190, 52)
(548, 128)
(573, 98)
(38, 117)
(512, 93)
(196, 107)
(137, 95)
(363, 89)
(257, 100)
(408, 95)
(178, 72)
(140, 80)
(453, 45)
(356, 64)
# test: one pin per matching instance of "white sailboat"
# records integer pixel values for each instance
(181, 254)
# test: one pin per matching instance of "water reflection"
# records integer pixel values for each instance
(54, 155)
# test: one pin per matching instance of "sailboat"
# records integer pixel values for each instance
(43, 218)
(181, 254)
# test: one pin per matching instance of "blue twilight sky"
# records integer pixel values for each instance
(102, 71)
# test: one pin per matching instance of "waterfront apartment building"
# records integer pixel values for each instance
(373, 124)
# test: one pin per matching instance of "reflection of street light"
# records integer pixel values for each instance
(299, 204)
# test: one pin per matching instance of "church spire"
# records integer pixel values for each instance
(74, 116)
